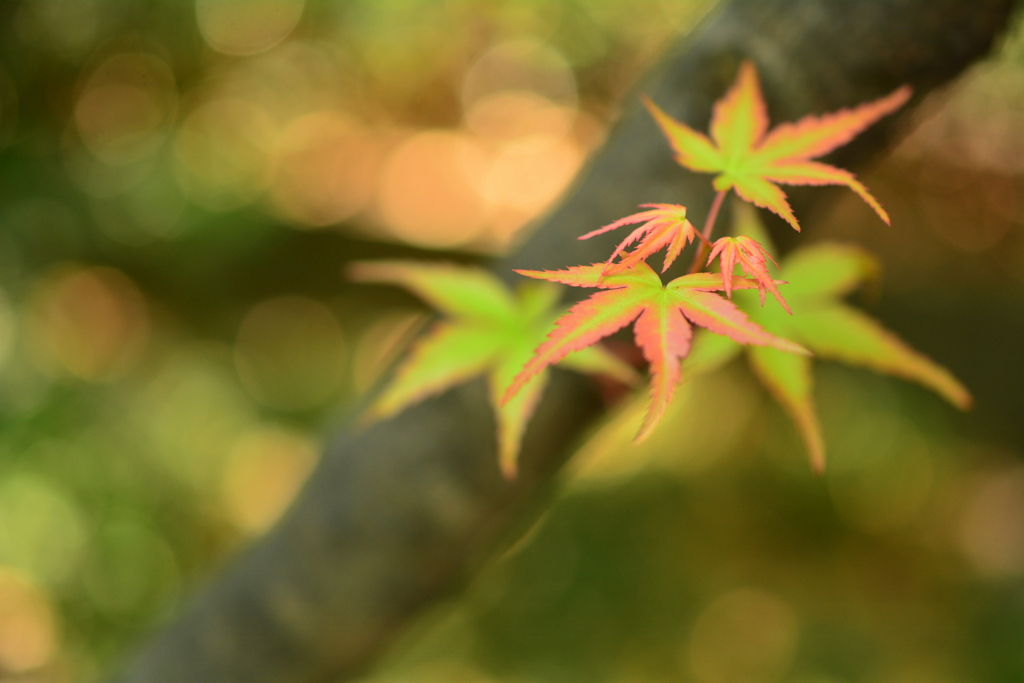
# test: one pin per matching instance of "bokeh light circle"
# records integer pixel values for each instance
(514, 114)
(28, 628)
(745, 636)
(426, 195)
(324, 170)
(124, 107)
(129, 569)
(526, 65)
(991, 530)
(223, 152)
(246, 27)
(42, 531)
(263, 473)
(531, 174)
(290, 353)
(89, 321)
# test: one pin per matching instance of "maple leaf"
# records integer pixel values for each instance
(664, 225)
(750, 159)
(752, 258)
(664, 316)
(488, 331)
(818, 277)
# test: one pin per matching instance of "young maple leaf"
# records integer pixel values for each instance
(664, 225)
(752, 162)
(818, 277)
(752, 258)
(664, 316)
(487, 331)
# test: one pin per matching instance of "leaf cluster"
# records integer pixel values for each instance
(514, 339)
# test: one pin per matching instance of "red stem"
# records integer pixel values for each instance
(709, 227)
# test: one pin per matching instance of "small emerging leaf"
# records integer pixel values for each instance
(665, 225)
(752, 258)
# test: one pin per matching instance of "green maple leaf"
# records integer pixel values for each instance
(487, 331)
(818, 277)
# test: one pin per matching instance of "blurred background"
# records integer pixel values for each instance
(180, 183)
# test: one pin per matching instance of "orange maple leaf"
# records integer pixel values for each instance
(750, 159)
(663, 225)
(664, 315)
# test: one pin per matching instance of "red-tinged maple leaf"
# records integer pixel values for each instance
(750, 159)
(752, 258)
(664, 316)
(664, 225)
(487, 331)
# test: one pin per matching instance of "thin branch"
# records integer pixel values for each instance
(709, 227)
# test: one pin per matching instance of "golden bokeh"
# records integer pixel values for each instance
(294, 79)
(509, 115)
(530, 174)
(90, 321)
(325, 167)
(28, 627)
(525, 65)
(478, 185)
(427, 196)
(991, 530)
(519, 103)
(262, 475)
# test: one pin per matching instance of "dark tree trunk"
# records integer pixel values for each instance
(399, 515)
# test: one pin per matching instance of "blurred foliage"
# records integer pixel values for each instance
(180, 183)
